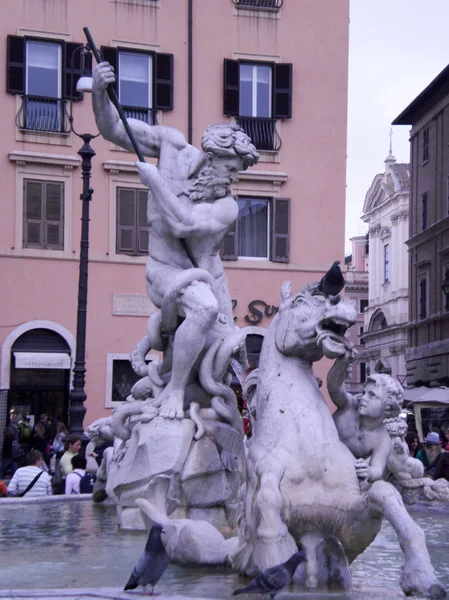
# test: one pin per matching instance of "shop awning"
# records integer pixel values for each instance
(42, 360)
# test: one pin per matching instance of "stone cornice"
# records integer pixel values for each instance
(258, 175)
(61, 160)
(429, 233)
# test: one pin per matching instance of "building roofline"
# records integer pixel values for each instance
(406, 116)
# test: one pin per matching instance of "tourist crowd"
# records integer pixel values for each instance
(45, 460)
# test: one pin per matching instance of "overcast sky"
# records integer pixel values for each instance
(396, 48)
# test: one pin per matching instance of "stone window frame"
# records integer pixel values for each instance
(266, 156)
(110, 357)
(121, 174)
(43, 167)
(42, 137)
(423, 277)
(425, 144)
(386, 264)
(129, 45)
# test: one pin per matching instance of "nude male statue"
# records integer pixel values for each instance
(188, 198)
(360, 419)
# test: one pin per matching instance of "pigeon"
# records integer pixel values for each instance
(272, 580)
(332, 282)
(151, 564)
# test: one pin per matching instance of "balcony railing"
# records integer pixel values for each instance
(267, 4)
(42, 114)
(356, 276)
(263, 132)
(148, 115)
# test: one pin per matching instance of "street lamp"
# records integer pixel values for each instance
(445, 288)
(78, 396)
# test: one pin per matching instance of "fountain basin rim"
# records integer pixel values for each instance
(44, 500)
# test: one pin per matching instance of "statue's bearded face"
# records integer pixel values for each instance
(215, 177)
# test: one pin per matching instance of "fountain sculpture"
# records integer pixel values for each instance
(309, 480)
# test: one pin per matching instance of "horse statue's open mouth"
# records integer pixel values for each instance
(331, 335)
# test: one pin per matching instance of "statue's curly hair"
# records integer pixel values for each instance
(393, 391)
(227, 140)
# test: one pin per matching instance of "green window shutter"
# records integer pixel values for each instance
(163, 81)
(280, 233)
(54, 216)
(231, 86)
(32, 214)
(73, 69)
(142, 223)
(111, 56)
(282, 90)
(15, 71)
(126, 221)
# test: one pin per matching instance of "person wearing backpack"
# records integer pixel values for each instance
(78, 481)
(30, 480)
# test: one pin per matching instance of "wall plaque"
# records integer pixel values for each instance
(132, 305)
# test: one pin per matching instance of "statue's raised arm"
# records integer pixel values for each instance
(148, 137)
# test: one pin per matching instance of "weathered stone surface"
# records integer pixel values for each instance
(211, 490)
(160, 446)
(203, 459)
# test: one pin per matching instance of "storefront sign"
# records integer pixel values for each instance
(132, 305)
(258, 309)
(42, 360)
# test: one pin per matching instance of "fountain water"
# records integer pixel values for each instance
(76, 544)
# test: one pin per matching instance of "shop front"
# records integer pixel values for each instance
(36, 369)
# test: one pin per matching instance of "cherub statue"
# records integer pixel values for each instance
(400, 463)
(360, 419)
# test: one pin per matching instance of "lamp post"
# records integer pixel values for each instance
(78, 395)
(445, 288)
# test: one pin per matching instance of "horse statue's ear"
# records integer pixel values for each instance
(286, 292)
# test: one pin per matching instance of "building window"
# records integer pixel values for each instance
(144, 81)
(363, 305)
(362, 370)
(424, 211)
(123, 379)
(447, 195)
(425, 145)
(257, 94)
(361, 340)
(43, 214)
(386, 264)
(261, 231)
(255, 90)
(253, 228)
(44, 73)
(132, 228)
(423, 298)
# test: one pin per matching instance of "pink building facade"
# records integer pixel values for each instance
(278, 68)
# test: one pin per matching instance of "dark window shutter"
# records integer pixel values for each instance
(111, 56)
(73, 69)
(142, 224)
(54, 216)
(126, 221)
(282, 91)
(163, 81)
(15, 79)
(32, 213)
(231, 87)
(280, 236)
(229, 247)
